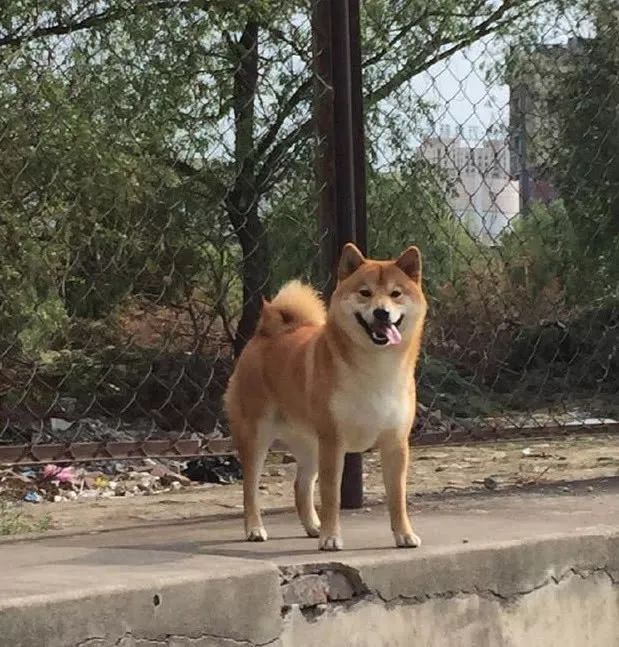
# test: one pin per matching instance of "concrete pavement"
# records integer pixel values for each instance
(198, 584)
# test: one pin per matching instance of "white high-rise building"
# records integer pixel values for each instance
(479, 186)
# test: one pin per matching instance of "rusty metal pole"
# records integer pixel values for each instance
(324, 131)
(340, 158)
(358, 130)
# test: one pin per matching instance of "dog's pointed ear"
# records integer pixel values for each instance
(350, 260)
(410, 263)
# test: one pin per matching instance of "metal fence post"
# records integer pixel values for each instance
(340, 158)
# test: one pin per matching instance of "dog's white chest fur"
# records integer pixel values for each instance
(367, 405)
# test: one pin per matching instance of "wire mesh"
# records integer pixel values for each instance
(156, 180)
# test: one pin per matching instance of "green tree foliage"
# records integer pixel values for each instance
(542, 249)
(573, 138)
(585, 162)
(146, 144)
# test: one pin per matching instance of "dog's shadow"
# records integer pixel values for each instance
(152, 553)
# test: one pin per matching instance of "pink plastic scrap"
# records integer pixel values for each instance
(60, 474)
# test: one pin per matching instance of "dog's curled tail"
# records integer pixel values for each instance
(296, 304)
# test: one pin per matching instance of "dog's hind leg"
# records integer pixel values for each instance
(253, 445)
(305, 450)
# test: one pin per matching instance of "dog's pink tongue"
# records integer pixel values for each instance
(393, 334)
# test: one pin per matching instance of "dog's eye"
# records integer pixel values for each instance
(365, 293)
(395, 294)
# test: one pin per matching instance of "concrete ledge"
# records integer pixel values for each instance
(496, 572)
(501, 570)
(561, 591)
(98, 598)
(573, 613)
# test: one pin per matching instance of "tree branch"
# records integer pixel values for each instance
(300, 94)
(274, 154)
(495, 21)
(376, 58)
(420, 63)
(16, 39)
(415, 22)
(277, 153)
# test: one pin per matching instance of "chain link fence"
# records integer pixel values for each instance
(157, 179)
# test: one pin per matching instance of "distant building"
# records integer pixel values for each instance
(532, 132)
(480, 189)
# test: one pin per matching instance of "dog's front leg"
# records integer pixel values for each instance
(394, 457)
(331, 466)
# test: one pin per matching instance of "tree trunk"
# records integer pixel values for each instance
(242, 203)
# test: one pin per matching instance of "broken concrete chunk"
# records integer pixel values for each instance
(305, 591)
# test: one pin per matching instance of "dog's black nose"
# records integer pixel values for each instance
(381, 315)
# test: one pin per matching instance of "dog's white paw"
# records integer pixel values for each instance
(312, 531)
(407, 540)
(257, 534)
(330, 542)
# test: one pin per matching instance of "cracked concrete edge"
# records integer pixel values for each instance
(232, 609)
(577, 610)
(129, 639)
(502, 571)
(249, 605)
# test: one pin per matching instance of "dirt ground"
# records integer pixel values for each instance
(434, 470)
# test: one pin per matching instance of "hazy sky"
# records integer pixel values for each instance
(463, 97)
(459, 88)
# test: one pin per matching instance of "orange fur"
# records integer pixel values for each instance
(325, 384)
(294, 305)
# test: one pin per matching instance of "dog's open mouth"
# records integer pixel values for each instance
(381, 333)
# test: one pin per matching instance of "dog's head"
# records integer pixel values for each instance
(379, 303)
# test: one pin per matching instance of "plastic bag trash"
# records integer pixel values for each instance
(59, 424)
(214, 469)
(33, 497)
(101, 482)
(60, 474)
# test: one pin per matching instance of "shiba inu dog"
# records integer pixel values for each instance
(327, 382)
